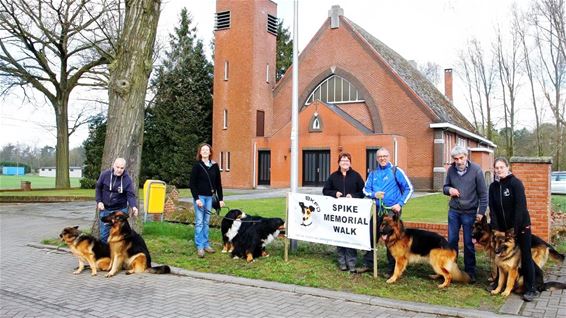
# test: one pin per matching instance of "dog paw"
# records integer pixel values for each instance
(92, 274)
(235, 257)
(108, 275)
(224, 251)
(506, 293)
(390, 280)
(434, 276)
(495, 292)
(442, 285)
(77, 272)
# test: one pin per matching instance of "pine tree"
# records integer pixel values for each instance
(181, 116)
(284, 50)
(93, 147)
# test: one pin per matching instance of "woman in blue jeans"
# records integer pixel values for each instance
(205, 180)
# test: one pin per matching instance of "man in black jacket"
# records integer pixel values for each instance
(345, 183)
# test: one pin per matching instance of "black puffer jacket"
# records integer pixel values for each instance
(352, 183)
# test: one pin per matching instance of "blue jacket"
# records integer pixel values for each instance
(398, 189)
(116, 195)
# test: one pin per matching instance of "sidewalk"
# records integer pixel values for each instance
(38, 282)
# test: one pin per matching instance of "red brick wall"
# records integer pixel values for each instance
(248, 48)
(535, 174)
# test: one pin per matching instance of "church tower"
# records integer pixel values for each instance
(244, 76)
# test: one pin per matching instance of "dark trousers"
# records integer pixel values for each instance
(457, 220)
(527, 265)
(347, 257)
(368, 256)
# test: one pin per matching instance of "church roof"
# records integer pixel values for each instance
(418, 83)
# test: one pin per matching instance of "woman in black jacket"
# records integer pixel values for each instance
(508, 211)
(205, 178)
(345, 183)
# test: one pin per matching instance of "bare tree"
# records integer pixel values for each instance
(509, 61)
(466, 77)
(521, 29)
(129, 76)
(431, 71)
(53, 47)
(549, 20)
(485, 72)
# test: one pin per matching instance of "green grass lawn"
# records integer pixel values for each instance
(314, 265)
(37, 182)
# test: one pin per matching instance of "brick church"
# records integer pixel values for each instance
(355, 95)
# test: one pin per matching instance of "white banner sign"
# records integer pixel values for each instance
(322, 219)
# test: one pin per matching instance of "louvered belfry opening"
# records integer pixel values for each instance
(222, 20)
(272, 24)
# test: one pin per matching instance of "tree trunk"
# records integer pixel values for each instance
(62, 154)
(129, 74)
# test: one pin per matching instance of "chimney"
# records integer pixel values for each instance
(448, 84)
(334, 13)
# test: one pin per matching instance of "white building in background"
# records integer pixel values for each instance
(74, 172)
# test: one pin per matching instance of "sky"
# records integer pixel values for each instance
(420, 30)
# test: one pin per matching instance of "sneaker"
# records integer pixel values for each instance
(530, 296)
(491, 287)
(363, 269)
(343, 268)
(209, 250)
(200, 253)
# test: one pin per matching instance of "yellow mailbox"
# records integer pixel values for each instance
(153, 197)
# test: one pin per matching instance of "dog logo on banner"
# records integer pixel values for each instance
(307, 214)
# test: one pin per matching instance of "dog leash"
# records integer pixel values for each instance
(227, 218)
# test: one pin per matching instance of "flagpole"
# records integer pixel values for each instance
(295, 109)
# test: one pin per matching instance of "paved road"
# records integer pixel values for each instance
(37, 282)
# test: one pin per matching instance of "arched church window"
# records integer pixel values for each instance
(335, 90)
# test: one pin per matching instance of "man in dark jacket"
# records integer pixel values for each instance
(114, 191)
(465, 184)
(345, 183)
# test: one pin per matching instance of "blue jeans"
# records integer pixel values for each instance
(466, 221)
(105, 227)
(202, 217)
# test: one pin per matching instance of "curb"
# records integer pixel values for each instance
(302, 290)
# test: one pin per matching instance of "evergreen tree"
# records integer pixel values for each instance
(93, 147)
(284, 50)
(181, 116)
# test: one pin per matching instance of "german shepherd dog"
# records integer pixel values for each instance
(87, 248)
(127, 248)
(414, 245)
(251, 244)
(540, 249)
(508, 262)
(234, 223)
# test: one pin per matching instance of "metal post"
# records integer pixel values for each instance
(295, 109)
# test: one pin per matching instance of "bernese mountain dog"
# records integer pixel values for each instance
(251, 243)
(234, 223)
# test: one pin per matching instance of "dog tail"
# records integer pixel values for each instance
(458, 275)
(553, 286)
(555, 254)
(163, 269)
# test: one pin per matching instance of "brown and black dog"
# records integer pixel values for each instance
(127, 248)
(88, 249)
(508, 262)
(414, 245)
(540, 249)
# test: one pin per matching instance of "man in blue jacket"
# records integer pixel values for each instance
(465, 184)
(390, 187)
(114, 191)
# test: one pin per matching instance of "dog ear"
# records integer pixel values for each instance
(311, 208)
(395, 217)
(483, 219)
(76, 227)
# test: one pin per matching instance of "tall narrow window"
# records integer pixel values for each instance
(221, 163)
(225, 120)
(267, 73)
(228, 161)
(260, 123)
(226, 69)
